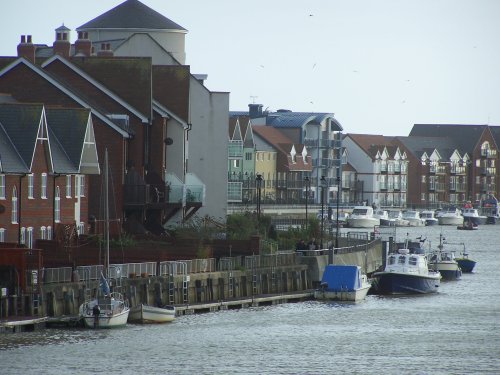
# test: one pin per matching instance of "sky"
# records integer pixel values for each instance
(379, 65)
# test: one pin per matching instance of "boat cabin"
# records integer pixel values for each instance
(406, 262)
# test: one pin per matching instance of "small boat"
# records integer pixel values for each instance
(362, 217)
(151, 314)
(450, 216)
(406, 273)
(444, 261)
(343, 283)
(466, 264)
(383, 216)
(396, 219)
(429, 217)
(472, 215)
(490, 209)
(414, 219)
(468, 226)
(107, 309)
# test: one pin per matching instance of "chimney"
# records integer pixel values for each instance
(62, 46)
(26, 48)
(83, 45)
(105, 50)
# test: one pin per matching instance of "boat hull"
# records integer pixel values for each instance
(145, 314)
(430, 222)
(114, 312)
(392, 283)
(106, 320)
(342, 295)
(466, 265)
(475, 220)
(362, 222)
(450, 220)
(448, 270)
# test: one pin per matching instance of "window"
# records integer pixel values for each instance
(248, 156)
(2, 186)
(81, 228)
(236, 163)
(82, 186)
(22, 239)
(49, 232)
(402, 259)
(68, 186)
(423, 178)
(422, 197)
(14, 215)
(413, 261)
(31, 180)
(29, 238)
(2, 234)
(57, 206)
(43, 186)
(43, 233)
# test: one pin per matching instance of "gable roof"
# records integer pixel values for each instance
(131, 14)
(110, 75)
(66, 90)
(371, 144)
(21, 123)
(417, 146)
(465, 137)
(10, 160)
(68, 126)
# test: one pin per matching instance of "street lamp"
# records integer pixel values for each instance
(338, 198)
(323, 181)
(258, 180)
(308, 184)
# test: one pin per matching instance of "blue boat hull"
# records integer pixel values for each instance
(451, 274)
(398, 283)
(466, 265)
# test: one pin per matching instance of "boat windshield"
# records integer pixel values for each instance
(359, 211)
(391, 260)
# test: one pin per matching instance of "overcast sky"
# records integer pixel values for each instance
(379, 65)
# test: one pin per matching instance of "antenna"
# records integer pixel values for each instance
(253, 98)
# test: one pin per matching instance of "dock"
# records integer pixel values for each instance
(22, 325)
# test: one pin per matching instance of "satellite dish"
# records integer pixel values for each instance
(168, 141)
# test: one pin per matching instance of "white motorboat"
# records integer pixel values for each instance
(343, 283)
(383, 216)
(396, 219)
(406, 273)
(450, 216)
(362, 217)
(472, 215)
(414, 219)
(429, 217)
(151, 314)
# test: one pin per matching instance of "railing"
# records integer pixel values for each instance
(455, 169)
(489, 171)
(57, 275)
(489, 153)
(118, 271)
(89, 272)
(235, 149)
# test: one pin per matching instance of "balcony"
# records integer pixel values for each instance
(311, 142)
(235, 150)
(437, 186)
(489, 153)
(489, 171)
(455, 169)
(457, 187)
(382, 185)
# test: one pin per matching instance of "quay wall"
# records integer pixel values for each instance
(302, 273)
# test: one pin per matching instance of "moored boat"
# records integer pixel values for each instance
(105, 312)
(444, 261)
(362, 217)
(429, 217)
(383, 216)
(151, 314)
(466, 264)
(414, 219)
(406, 273)
(450, 216)
(471, 215)
(396, 219)
(343, 283)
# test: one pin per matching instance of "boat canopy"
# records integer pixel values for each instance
(342, 278)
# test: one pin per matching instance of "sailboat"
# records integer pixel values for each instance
(108, 309)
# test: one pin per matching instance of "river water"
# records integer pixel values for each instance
(456, 331)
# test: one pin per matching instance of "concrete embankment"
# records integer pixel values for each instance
(276, 279)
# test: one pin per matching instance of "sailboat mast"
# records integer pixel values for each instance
(106, 211)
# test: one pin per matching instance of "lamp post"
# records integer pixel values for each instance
(258, 180)
(308, 182)
(322, 208)
(338, 199)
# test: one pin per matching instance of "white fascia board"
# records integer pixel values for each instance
(161, 108)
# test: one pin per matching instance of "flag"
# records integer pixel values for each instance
(103, 283)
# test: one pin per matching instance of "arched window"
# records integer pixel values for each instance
(14, 213)
(22, 240)
(29, 238)
(57, 206)
(43, 233)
